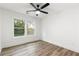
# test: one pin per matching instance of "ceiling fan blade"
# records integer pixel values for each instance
(33, 5)
(44, 5)
(44, 12)
(31, 11)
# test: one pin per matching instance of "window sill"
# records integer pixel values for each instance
(19, 36)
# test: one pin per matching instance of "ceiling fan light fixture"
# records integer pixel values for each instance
(37, 12)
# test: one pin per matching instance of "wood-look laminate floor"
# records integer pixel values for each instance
(38, 48)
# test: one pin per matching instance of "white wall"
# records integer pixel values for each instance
(61, 27)
(8, 38)
(0, 31)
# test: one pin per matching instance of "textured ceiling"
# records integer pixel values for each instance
(52, 8)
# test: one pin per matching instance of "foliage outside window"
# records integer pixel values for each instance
(30, 28)
(19, 27)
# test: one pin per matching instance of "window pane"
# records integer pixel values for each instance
(30, 29)
(18, 27)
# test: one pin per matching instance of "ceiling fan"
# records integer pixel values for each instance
(38, 8)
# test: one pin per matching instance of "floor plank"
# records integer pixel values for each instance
(37, 48)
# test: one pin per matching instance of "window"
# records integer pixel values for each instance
(19, 27)
(30, 28)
